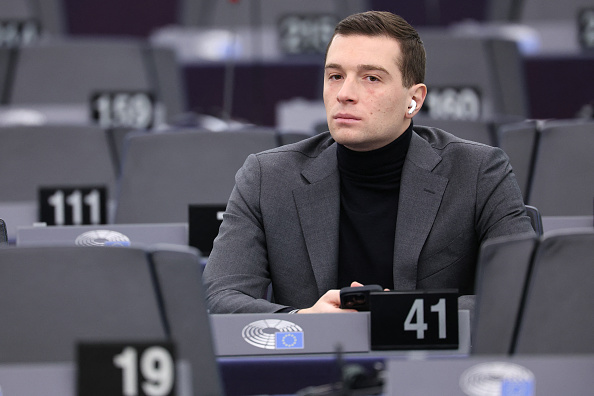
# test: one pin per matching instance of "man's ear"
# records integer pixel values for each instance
(417, 92)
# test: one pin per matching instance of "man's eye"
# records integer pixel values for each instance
(372, 78)
(335, 77)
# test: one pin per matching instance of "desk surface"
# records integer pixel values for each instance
(252, 336)
(250, 370)
(495, 375)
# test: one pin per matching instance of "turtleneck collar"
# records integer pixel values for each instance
(382, 161)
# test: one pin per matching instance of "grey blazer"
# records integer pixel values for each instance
(282, 220)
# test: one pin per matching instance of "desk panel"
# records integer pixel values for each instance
(286, 372)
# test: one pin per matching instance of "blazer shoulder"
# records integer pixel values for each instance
(445, 141)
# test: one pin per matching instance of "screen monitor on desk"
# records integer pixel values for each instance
(204, 221)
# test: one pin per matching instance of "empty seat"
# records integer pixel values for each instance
(556, 23)
(31, 19)
(518, 140)
(529, 11)
(52, 155)
(476, 131)
(49, 156)
(503, 268)
(114, 82)
(562, 180)
(557, 315)
(254, 30)
(215, 14)
(163, 173)
(57, 297)
(179, 272)
(489, 87)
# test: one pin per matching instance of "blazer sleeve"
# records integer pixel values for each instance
(500, 205)
(236, 277)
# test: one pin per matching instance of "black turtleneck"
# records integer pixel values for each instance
(369, 190)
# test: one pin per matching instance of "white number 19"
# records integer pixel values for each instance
(156, 367)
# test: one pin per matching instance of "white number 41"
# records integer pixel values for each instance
(417, 311)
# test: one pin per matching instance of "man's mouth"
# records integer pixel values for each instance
(345, 117)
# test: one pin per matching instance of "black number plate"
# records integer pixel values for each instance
(414, 320)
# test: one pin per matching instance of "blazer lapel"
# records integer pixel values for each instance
(318, 206)
(421, 192)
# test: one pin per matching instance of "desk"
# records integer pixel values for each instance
(546, 375)
(287, 375)
(285, 372)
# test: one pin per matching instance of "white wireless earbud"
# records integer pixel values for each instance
(413, 106)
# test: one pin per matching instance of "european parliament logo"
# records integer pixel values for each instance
(497, 379)
(102, 238)
(274, 334)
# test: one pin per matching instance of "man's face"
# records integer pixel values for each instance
(366, 103)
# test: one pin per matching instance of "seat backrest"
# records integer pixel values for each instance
(476, 131)
(179, 273)
(489, 87)
(168, 81)
(16, 9)
(52, 14)
(71, 72)
(556, 23)
(163, 173)
(51, 156)
(518, 140)
(535, 219)
(47, 17)
(551, 9)
(34, 157)
(502, 10)
(54, 297)
(217, 14)
(557, 315)
(562, 180)
(502, 270)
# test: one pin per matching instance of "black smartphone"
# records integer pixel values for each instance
(357, 297)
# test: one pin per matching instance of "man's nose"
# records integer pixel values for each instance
(348, 91)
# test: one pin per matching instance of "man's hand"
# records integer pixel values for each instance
(329, 302)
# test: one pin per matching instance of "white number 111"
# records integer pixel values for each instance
(75, 201)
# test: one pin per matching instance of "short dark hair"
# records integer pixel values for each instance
(383, 23)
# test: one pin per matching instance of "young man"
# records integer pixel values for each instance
(373, 200)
